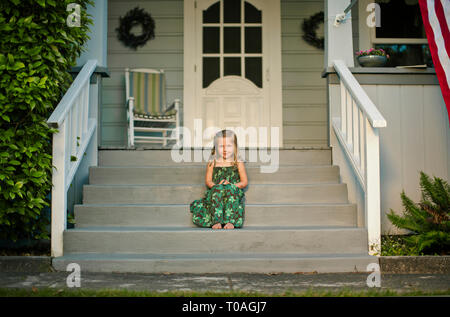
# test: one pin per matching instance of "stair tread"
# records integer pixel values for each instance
(203, 185)
(199, 229)
(199, 166)
(247, 205)
(208, 256)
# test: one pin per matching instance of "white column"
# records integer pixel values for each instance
(373, 222)
(59, 197)
(96, 46)
(338, 39)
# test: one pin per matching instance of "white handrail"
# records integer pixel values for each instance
(356, 128)
(76, 120)
(359, 95)
(60, 112)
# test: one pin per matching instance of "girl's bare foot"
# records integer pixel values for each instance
(229, 226)
(217, 226)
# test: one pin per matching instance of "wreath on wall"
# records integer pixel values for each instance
(133, 18)
(310, 27)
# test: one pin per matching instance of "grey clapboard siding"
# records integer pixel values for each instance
(304, 91)
(165, 51)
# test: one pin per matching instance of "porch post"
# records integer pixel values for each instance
(96, 46)
(59, 193)
(338, 39)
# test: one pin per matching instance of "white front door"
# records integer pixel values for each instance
(233, 66)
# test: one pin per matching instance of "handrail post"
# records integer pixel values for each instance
(59, 195)
(372, 199)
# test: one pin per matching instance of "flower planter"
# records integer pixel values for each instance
(372, 60)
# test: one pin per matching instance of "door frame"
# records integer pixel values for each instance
(273, 74)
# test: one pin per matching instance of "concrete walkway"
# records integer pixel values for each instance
(264, 283)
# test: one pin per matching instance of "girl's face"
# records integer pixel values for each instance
(225, 147)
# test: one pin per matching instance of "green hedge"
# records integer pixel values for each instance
(37, 48)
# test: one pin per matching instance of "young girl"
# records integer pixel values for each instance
(223, 204)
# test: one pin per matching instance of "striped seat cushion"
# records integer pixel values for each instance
(149, 92)
(159, 117)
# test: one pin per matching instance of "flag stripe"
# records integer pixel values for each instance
(437, 47)
(444, 29)
(446, 9)
(438, 39)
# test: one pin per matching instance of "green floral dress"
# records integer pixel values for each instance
(221, 203)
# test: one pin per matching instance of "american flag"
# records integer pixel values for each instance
(436, 20)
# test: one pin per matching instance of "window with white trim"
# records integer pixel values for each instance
(401, 33)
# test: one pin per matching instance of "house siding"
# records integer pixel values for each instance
(304, 91)
(305, 114)
(416, 139)
(165, 51)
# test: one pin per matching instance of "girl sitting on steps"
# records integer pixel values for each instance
(223, 204)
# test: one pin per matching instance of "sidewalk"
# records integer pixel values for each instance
(263, 283)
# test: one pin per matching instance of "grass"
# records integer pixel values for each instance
(46, 292)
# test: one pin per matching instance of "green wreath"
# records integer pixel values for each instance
(135, 17)
(309, 28)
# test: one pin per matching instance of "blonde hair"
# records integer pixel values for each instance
(225, 134)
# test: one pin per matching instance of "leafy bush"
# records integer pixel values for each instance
(429, 220)
(395, 245)
(37, 49)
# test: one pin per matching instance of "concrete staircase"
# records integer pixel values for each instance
(135, 218)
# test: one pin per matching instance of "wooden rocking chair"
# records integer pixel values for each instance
(147, 110)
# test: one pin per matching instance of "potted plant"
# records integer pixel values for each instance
(372, 57)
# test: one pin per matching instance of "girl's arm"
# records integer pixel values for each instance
(208, 178)
(242, 175)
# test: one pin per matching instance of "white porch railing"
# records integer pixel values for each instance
(76, 120)
(356, 129)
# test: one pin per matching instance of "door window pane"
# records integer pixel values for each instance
(211, 70)
(232, 66)
(253, 70)
(211, 40)
(252, 15)
(212, 14)
(232, 40)
(232, 11)
(253, 39)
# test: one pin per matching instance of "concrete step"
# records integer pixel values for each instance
(165, 158)
(185, 194)
(179, 215)
(176, 240)
(216, 263)
(196, 175)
